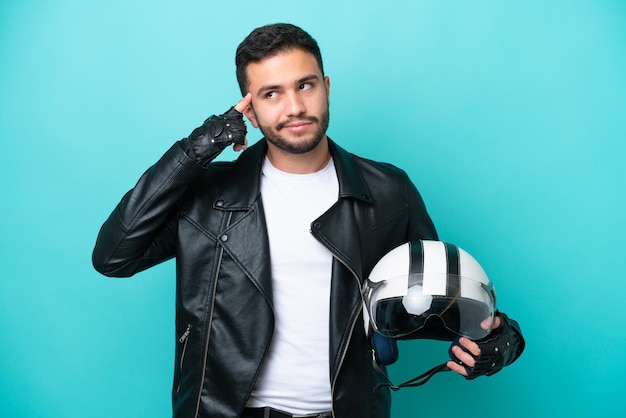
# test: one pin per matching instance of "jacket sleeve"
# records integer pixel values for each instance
(420, 224)
(141, 230)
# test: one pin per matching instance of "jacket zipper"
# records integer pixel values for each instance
(206, 350)
(345, 350)
(183, 340)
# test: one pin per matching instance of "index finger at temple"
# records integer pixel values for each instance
(243, 103)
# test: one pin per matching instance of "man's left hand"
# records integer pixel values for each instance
(490, 354)
(464, 355)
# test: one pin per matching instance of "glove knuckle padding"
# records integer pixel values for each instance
(500, 348)
(215, 134)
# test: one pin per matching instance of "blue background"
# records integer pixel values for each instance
(508, 116)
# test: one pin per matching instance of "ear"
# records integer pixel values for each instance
(327, 85)
(249, 112)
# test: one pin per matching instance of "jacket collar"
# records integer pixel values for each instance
(242, 189)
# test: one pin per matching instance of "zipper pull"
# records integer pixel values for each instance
(185, 334)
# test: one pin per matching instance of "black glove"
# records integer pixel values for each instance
(216, 133)
(498, 349)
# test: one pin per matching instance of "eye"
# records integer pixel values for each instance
(306, 86)
(271, 95)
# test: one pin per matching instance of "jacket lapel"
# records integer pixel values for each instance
(241, 198)
(338, 228)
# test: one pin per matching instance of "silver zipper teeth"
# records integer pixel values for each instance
(206, 351)
(345, 350)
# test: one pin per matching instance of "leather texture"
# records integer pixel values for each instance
(211, 220)
(500, 348)
(216, 133)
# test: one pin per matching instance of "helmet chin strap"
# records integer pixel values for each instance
(416, 381)
(385, 352)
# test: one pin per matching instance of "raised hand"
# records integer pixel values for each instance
(218, 132)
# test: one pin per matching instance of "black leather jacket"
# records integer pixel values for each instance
(211, 220)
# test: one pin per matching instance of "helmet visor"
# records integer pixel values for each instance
(402, 305)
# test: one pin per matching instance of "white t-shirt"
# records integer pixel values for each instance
(295, 376)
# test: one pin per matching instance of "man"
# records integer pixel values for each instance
(271, 250)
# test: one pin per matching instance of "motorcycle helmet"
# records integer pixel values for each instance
(424, 288)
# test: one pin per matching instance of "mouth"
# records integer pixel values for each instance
(299, 125)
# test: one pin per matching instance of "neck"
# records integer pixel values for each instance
(309, 162)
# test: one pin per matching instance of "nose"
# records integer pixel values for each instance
(294, 105)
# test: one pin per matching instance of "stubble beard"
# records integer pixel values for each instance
(301, 145)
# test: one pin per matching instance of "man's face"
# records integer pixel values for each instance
(289, 100)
